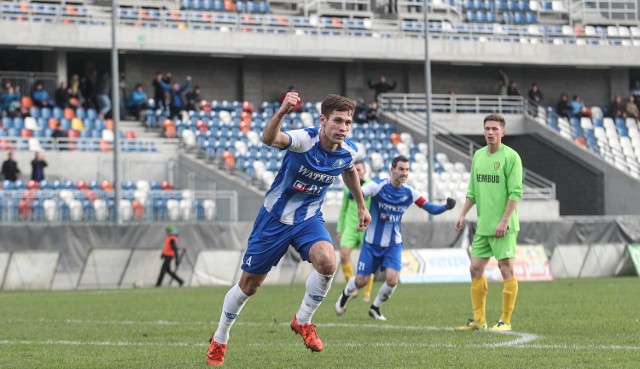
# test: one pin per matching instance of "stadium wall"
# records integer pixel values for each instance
(76, 242)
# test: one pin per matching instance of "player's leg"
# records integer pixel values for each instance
(366, 292)
(505, 251)
(367, 264)
(268, 242)
(313, 242)
(480, 254)
(392, 263)
(348, 242)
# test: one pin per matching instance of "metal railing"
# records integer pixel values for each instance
(25, 81)
(536, 187)
(444, 103)
(279, 23)
(81, 206)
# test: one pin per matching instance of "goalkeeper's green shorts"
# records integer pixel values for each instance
(499, 247)
(352, 239)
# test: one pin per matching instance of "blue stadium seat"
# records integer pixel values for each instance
(263, 7)
(523, 5)
(518, 18)
(471, 16)
(531, 17)
(241, 7)
(512, 5)
(500, 5)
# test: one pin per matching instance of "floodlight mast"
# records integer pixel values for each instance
(427, 96)
(115, 93)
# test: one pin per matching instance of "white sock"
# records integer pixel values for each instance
(318, 286)
(351, 286)
(384, 293)
(233, 303)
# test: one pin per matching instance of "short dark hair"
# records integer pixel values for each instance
(333, 103)
(399, 158)
(495, 118)
(358, 161)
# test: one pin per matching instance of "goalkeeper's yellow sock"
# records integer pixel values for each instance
(369, 285)
(347, 270)
(509, 294)
(479, 299)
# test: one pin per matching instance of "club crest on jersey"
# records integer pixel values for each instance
(496, 165)
(339, 163)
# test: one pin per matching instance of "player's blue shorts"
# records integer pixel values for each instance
(270, 239)
(373, 257)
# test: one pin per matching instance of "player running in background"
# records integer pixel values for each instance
(348, 235)
(291, 215)
(382, 246)
(495, 187)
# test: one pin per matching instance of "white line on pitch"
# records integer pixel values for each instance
(354, 345)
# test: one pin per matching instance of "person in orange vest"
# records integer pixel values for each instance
(169, 252)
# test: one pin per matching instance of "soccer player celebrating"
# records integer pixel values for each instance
(291, 215)
(495, 187)
(382, 246)
(348, 235)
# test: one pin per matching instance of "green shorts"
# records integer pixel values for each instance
(499, 247)
(352, 239)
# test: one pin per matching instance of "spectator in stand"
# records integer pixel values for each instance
(381, 87)
(37, 167)
(10, 100)
(535, 94)
(577, 107)
(10, 170)
(40, 96)
(176, 101)
(513, 89)
(137, 101)
(62, 95)
(103, 88)
(360, 112)
(159, 96)
(617, 108)
(194, 99)
(88, 88)
(563, 108)
(372, 113)
(59, 133)
(74, 91)
(631, 108)
(500, 88)
(635, 90)
(297, 106)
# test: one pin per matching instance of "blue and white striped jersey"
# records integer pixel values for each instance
(306, 173)
(388, 205)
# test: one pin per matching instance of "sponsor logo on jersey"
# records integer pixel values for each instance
(339, 163)
(487, 178)
(300, 186)
(315, 176)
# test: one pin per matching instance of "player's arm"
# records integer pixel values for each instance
(272, 136)
(503, 224)
(174, 247)
(351, 179)
(513, 173)
(434, 209)
(468, 204)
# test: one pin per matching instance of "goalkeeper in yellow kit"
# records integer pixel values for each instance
(348, 236)
(495, 187)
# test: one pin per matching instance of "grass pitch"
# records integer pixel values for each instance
(587, 323)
